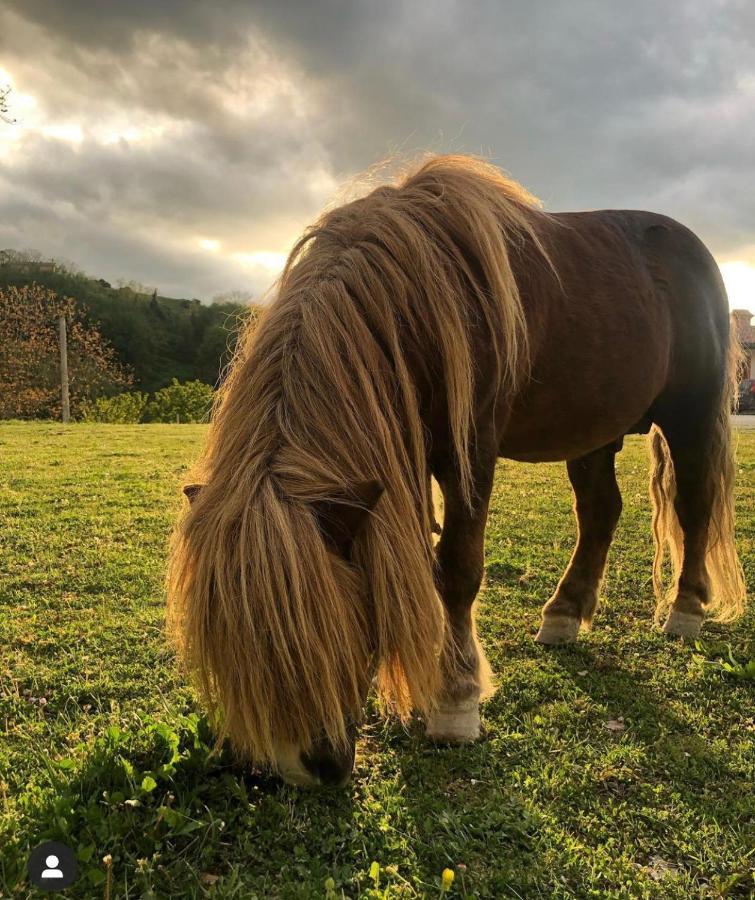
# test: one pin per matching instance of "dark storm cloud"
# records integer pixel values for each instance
(588, 103)
(265, 105)
(119, 252)
(179, 187)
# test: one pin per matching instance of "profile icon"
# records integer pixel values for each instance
(52, 866)
(52, 870)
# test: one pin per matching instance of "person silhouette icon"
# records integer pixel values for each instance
(52, 870)
(52, 866)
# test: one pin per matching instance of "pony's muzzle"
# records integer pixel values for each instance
(321, 765)
(328, 767)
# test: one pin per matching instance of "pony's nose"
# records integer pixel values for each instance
(328, 767)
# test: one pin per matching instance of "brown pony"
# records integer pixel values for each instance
(425, 330)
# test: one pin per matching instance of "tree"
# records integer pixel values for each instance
(136, 287)
(29, 355)
(156, 341)
(4, 107)
(237, 298)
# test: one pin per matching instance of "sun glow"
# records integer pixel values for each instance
(131, 134)
(739, 278)
(264, 259)
(69, 132)
(209, 244)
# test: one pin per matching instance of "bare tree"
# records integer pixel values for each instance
(240, 298)
(136, 287)
(4, 106)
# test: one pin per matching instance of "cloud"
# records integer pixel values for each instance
(156, 126)
(178, 268)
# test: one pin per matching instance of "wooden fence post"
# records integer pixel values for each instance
(66, 402)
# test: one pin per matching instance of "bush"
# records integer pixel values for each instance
(187, 402)
(122, 409)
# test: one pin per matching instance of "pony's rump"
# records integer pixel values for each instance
(283, 636)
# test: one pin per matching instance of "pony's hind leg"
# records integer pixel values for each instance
(460, 554)
(597, 508)
(699, 528)
(693, 505)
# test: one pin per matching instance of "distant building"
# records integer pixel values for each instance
(29, 263)
(746, 331)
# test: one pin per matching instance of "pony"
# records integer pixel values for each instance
(417, 333)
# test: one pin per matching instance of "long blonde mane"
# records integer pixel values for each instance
(283, 637)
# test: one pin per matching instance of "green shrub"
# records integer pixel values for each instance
(122, 409)
(187, 402)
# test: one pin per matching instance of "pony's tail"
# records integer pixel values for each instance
(667, 533)
(727, 590)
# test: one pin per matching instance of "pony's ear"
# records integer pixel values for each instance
(192, 491)
(341, 518)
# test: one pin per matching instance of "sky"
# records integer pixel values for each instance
(186, 144)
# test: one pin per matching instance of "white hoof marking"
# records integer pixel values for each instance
(683, 624)
(291, 769)
(558, 630)
(458, 724)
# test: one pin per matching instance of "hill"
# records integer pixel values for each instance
(158, 338)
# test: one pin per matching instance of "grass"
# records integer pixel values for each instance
(620, 767)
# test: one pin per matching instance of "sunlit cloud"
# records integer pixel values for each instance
(28, 119)
(265, 259)
(70, 133)
(129, 133)
(190, 151)
(22, 102)
(739, 278)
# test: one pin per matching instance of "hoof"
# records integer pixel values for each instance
(686, 625)
(458, 724)
(558, 630)
(289, 767)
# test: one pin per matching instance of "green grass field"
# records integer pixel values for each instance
(623, 766)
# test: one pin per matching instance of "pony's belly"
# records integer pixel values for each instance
(555, 435)
(542, 452)
(584, 396)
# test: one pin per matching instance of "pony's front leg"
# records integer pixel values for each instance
(466, 675)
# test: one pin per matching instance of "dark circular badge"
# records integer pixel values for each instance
(52, 866)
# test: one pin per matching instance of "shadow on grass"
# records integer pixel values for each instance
(647, 708)
(179, 820)
(466, 815)
(472, 805)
